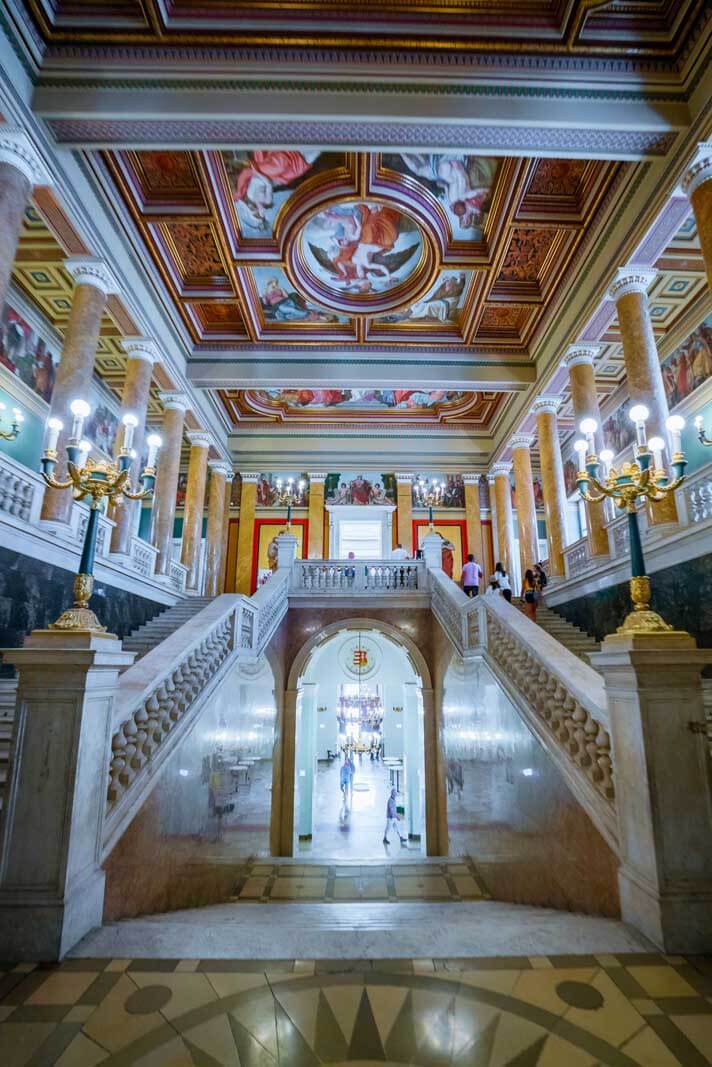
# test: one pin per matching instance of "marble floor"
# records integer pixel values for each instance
(352, 829)
(602, 1010)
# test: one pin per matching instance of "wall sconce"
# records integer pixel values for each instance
(15, 426)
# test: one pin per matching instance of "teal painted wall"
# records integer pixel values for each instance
(27, 448)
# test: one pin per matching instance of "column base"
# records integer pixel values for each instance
(39, 927)
(677, 921)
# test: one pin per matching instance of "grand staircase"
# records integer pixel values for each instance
(577, 641)
(162, 626)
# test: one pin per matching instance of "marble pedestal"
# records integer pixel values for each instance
(51, 881)
(663, 789)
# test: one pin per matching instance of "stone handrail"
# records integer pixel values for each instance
(458, 614)
(354, 577)
(562, 699)
(159, 699)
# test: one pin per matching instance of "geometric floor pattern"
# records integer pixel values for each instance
(635, 1010)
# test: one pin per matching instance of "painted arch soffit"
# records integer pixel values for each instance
(298, 246)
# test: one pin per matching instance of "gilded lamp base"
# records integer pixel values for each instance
(641, 619)
(80, 618)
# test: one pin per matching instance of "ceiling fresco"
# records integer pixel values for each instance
(292, 245)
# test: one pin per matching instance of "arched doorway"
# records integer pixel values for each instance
(359, 688)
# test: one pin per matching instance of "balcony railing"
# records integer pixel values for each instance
(358, 577)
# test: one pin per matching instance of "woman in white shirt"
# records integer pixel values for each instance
(502, 579)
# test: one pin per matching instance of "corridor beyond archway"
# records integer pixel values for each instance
(359, 735)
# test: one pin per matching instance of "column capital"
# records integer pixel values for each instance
(546, 405)
(249, 476)
(404, 477)
(501, 470)
(219, 466)
(471, 478)
(90, 270)
(17, 151)
(700, 170)
(199, 438)
(174, 401)
(635, 278)
(317, 476)
(580, 355)
(490, 479)
(521, 440)
(141, 348)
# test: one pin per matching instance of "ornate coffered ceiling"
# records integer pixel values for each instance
(270, 249)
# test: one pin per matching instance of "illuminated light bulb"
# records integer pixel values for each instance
(656, 446)
(80, 410)
(154, 442)
(639, 415)
(589, 427)
(698, 421)
(54, 428)
(84, 449)
(676, 424)
(581, 447)
(18, 416)
(130, 423)
(606, 458)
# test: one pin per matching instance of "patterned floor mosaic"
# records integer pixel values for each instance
(270, 883)
(585, 1011)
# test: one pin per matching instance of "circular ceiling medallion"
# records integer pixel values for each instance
(362, 256)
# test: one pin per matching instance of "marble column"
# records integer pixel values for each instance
(584, 398)
(93, 282)
(645, 380)
(142, 355)
(246, 532)
(175, 406)
(435, 769)
(216, 521)
(552, 480)
(306, 757)
(20, 169)
(404, 500)
(697, 183)
(222, 579)
(505, 522)
(493, 518)
(317, 482)
(472, 517)
(194, 505)
(526, 505)
(413, 742)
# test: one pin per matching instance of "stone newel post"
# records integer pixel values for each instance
(51, 881)
(663, 790)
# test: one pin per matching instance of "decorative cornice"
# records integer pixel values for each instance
(404, 477)
(143, 348)
(580, 355)
(249, 476)
(546, 405)
(521, 440)
(89, 270)
(219, 466)
(174, 401)
(635, 278)
(471, 478)
(199, 438)
(318, 476)
(17, 151)
(700, 170)
(501, 470)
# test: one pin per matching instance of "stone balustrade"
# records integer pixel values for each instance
(20, 492)
(577, 558)
(358, 577)
(458, 614)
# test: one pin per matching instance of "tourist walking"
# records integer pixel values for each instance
(505, 586)
(471, 577)
(346, 778)
(392, 818)
(528, 595)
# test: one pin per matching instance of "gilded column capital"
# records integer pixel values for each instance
(546, 405)
(141, 348)
(174, 401)
(580, 355)
(199, 438)
(700, 170)
(219, 466)
(501, 470)
(249, 476)
(404, 477)
(317, 476)
(635, 278)
(17, 151)
(471, 478)
(521, 440)
(90, 270)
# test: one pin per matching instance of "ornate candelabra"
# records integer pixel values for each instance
(15, 426)
(701, 435)
(633, 481)
(96, 481)
(290, 495)
(429, 495)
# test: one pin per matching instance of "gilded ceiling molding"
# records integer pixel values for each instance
(700, 170)
(90, 270)
(634, 278)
